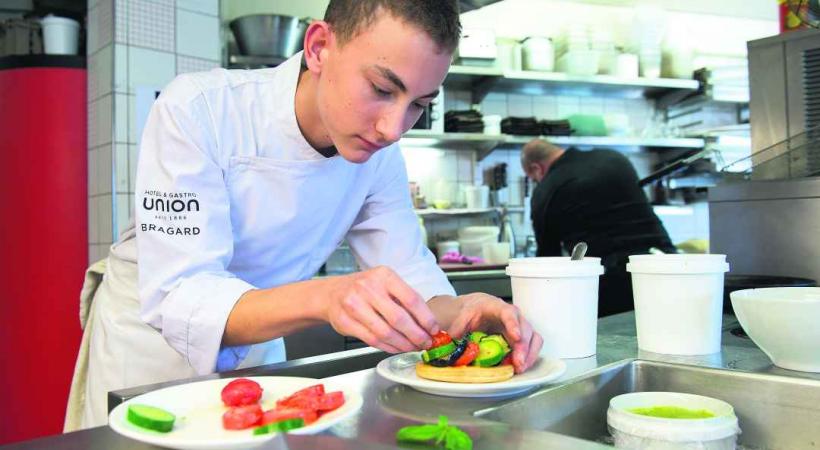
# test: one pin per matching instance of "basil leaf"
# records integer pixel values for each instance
(457, 440)
(442, 421)
(418, 433)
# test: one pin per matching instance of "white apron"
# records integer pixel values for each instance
(109, 314)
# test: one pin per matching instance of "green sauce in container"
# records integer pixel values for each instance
(672, 412)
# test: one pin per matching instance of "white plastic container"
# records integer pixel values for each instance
(60, 35)
(626, 65)
(559, 297)
(444, 247)
(496, 252)
(538, 53)
(492, 124)
(678, 302)
(636, 431)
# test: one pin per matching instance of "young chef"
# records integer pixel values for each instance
(248, 180)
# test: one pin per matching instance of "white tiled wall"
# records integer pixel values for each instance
(131, 44)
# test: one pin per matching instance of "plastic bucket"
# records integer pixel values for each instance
(678, 302)
(559, 297)
(632, 430)
(60, 35)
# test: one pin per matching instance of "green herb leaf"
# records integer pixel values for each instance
(452, 437)
(457, 440)
(418, 433)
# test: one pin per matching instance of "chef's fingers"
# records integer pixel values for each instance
(351, 327)
(535, 348)
(362, 308)
(462, 323)
(401, 320)
(522, 350)
(411, 301)
(511, 319)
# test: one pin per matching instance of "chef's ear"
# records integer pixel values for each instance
(318, 40)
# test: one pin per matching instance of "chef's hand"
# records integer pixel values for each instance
(483, 312)
(379, 308)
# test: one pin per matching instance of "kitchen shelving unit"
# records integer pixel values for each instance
(483, 144)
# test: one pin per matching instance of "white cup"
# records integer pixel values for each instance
(60, 35)
(477, 197)
(678, 302)
(559, 297)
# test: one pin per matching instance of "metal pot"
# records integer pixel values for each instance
(269, 34)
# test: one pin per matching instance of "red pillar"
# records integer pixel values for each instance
(43, 238)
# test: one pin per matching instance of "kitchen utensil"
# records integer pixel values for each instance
(783, 323)
(402, 369)
(198, 406)
(579, 251)
(631, 430)
(269, 34)
(678, 302)
(560, 299)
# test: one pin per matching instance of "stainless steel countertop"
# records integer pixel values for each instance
(389, 406)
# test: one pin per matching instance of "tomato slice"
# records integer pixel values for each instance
(507, 361)
(303, 402)
(241, 391)
(312, 391)
(331, 401)
(440, 339)
(279, 414)
(241, 417)
(470, 353)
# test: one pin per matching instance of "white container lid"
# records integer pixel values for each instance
(55, 20)
(723, 425)
(677, 264)
(554, 267)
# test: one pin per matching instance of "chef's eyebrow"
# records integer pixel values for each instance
(393, 78)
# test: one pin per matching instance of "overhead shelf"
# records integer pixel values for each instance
(484, 144)
(481, 80)
(427, 212)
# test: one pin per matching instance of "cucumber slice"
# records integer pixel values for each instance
(280, 427)
(476, 336)
(151, 418)
(490, 353)
(425, 356)
(500, 339)
(440, 351)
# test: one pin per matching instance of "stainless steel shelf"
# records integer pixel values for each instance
(427, 212)
(484, 143)
(481, 80)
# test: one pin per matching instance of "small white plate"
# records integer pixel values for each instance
(402, 369)
(198, 408)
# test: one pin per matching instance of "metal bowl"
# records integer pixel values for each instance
(269, 34)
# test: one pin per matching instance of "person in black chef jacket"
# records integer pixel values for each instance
(594, 197)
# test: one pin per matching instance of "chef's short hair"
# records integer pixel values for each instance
(438, 18)
(535, 151)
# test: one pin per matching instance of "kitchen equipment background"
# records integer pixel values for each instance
(269, 34)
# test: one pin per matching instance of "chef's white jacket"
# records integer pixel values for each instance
(231, 197)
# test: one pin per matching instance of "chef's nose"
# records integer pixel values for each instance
(391, 125)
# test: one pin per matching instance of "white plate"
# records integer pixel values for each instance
(198, 407)
(402, 369)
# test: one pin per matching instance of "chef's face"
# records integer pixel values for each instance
(374, 87)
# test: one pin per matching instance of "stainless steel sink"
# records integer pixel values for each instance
(775, 412)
